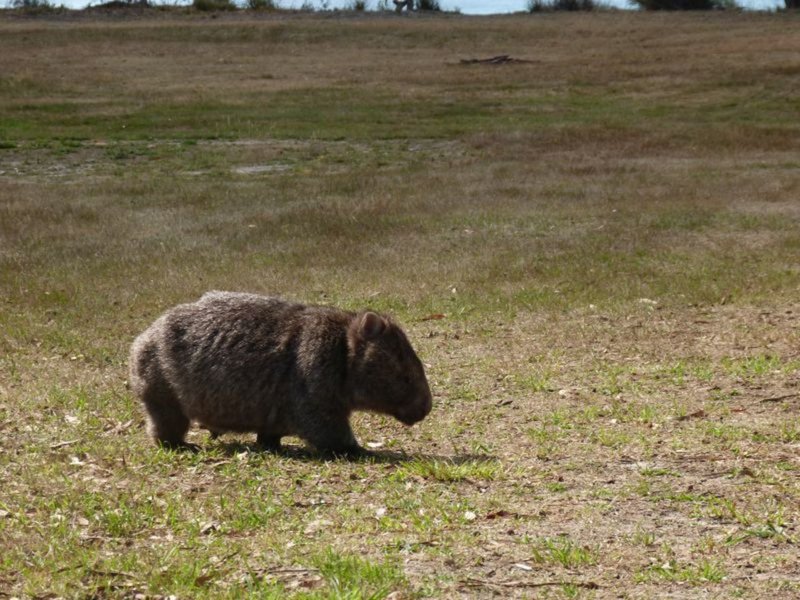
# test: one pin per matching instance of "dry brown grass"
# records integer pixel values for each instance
(611, 231)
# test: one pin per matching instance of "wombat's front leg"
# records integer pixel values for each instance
(269, 442)
(332, 436)
(166, 420)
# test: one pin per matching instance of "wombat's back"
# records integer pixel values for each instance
(236, 361)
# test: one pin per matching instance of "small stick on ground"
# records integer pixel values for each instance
(473, 582)
(62, 444)
(779, 398)
(501, 59)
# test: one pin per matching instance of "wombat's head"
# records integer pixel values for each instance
(386, 374)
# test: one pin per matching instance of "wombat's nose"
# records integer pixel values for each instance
(416, 411)
(427, 405)
(424, 406)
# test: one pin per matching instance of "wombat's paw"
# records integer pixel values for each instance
(179, 446)
(269, 443)
(349, 453)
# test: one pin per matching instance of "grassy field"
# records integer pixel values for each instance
(596, 253)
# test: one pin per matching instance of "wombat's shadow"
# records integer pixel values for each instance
(305, 453)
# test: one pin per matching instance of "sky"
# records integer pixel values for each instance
(467, 7)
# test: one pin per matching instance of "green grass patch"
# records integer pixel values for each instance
(354, 577)
(449, 471)
(563, 551)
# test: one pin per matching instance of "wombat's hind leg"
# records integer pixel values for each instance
(269, 442)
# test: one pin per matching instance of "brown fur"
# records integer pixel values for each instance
(249, 363)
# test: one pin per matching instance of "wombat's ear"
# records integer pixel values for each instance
(371, 326)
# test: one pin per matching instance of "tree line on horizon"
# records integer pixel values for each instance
(532, 6)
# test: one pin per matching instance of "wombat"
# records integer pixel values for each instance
(248, 363)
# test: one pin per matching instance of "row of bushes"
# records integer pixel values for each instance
(357, 5)
(570, 5)
(215, 5)
(533, 5)
(361, 5)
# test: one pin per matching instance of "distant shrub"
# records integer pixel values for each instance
(573, 5)
(359, 5)
(428, 5)
(568, 5)
(213, 5)
(33, 5)
(261, 4)
(123, 4)
(679, 4)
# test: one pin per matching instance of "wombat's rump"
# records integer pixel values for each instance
(249, 363)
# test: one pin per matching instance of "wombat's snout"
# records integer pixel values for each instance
(417, 410)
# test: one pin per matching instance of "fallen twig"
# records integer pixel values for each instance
(291, 570)
(501, 59)
(62, 444)
(473, 582)
(779, 398)
(101, 573)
